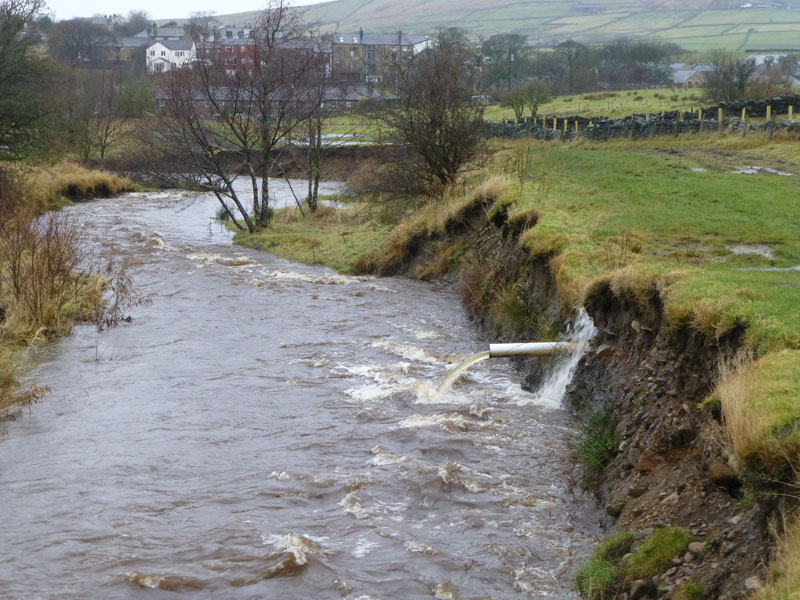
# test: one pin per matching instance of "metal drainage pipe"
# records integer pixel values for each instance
(529, 349)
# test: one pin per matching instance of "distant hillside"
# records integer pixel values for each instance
(694, 24)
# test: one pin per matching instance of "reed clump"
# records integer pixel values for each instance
(43, 188)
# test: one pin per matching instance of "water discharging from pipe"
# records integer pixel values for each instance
(456, 373)
(554, 386)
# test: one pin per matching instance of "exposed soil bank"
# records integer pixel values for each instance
(671, 467)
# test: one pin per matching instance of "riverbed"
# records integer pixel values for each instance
(272, 430)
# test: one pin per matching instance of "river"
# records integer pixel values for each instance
(271, 430)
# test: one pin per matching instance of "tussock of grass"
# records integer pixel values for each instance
(435, 219)
(784, 580)
(689, 591)
(47, 187)
(512, 312)
(596, 443)
(441, 263)
(458, 205)
(760, 412)
(521, 220)
(477, 286)
(597, 578)
(656, 552)
(605, 574)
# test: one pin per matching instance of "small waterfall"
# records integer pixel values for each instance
(555, 385)
(455, 373)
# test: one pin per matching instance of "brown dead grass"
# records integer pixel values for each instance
(45, 187)
(784, 579)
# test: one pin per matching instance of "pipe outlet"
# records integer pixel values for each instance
(529, 349)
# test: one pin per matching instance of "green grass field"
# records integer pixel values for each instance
(695, 26)
(611, 104)
(545, 22)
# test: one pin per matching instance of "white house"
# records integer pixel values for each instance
(165, 55)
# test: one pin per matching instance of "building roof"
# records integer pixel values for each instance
(684, 74)
(379, 39)
(162, 32)
(174, 44)
(131, 42)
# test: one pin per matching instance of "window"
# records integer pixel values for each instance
(163, 53)
(353, 52)
(229, 49)
(371, 53)
(180, 53)
(152, 52)
(229, 34)
(243, 48)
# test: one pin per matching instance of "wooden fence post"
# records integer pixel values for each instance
(769, 112)
(791, 110)
(719, 118)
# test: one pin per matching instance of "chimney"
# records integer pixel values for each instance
(360, 35)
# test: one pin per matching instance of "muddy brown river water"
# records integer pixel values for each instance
(272, 430)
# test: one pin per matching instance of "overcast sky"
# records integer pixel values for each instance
(157, 9)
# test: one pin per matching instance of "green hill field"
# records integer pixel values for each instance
(693, 24)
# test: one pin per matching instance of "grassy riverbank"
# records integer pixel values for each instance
(41, 294)
(331, 237)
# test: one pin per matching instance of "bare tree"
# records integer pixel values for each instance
(729, 76)
(138, 20)
(573, 55)
(227, 115)
(92, 120)
(436, 117)
(505, 58)
(201, 25)
(77, 42)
